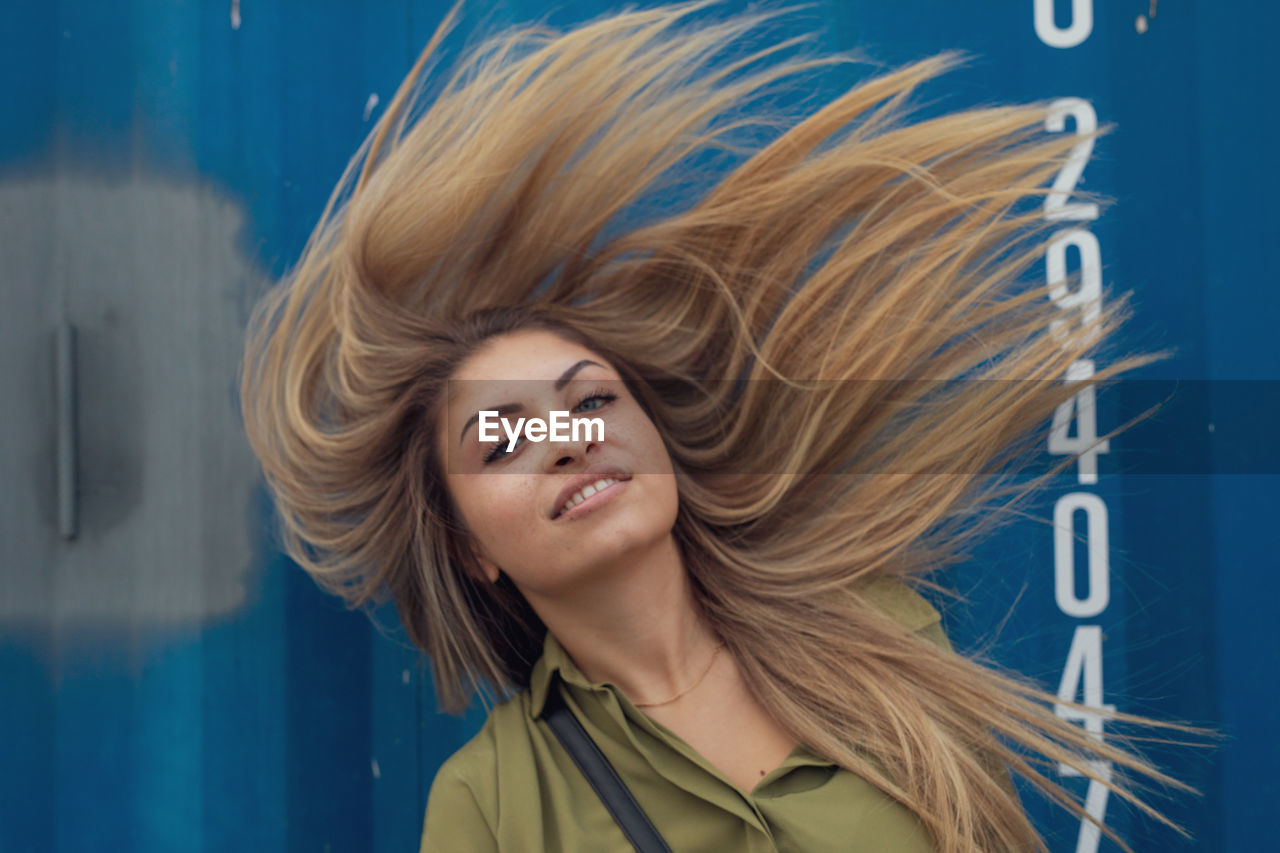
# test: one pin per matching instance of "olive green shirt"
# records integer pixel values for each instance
(514, 788)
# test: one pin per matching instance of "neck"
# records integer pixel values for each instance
(635, 625)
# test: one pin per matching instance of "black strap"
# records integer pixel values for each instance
(612, 791)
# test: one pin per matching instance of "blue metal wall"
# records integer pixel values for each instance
(285, 723)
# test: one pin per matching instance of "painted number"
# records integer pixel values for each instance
(1085, 302)
(1086, 121)
(1075, 33)
(1082, 674)
(1098, 588)
(1082, 683)
(1081, 409)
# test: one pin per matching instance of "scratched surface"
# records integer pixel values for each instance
(170, 683)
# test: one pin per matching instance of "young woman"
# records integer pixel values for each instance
(718, 585)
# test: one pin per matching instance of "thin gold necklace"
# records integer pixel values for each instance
(719, 646)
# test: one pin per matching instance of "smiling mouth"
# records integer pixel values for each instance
(586, 492)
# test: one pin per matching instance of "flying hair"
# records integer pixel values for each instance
(810, 335)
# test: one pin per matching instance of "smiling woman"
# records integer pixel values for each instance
(720, 587)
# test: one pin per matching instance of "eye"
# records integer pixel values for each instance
(600, 397)
(498, 448)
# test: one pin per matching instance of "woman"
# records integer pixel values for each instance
(720, 585)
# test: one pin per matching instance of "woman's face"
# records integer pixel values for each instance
(513, 502)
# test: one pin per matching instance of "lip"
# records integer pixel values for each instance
(586, 478)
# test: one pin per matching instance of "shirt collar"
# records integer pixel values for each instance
(554, 660)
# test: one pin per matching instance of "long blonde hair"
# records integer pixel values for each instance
(854, 246)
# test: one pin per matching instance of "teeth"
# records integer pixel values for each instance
(586, 492)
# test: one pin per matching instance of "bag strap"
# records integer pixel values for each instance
(612, 791)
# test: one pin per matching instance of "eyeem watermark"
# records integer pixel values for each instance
(562, 427)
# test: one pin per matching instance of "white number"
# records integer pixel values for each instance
(1095, 805)
(1081, 23)
(1082, 408)
(1083, 674)
(1082, 682)
(1055, 204)
(1064, 562)
(1087, 298)
(1083, 671)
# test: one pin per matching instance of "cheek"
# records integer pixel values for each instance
(660, 459)
(653, 463)
(634, 431)
(666, 485)
(498, 509)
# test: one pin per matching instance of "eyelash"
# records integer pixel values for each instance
(600, 394)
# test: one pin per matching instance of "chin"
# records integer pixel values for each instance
(640, 533)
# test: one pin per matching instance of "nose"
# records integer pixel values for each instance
(564, 454)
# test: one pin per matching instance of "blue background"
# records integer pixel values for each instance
(294, 725)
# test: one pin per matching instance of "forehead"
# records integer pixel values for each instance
(518, 356)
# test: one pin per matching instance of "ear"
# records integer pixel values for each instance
(490, 569)
(482, 568)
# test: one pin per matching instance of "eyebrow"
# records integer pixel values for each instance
(508, 408)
